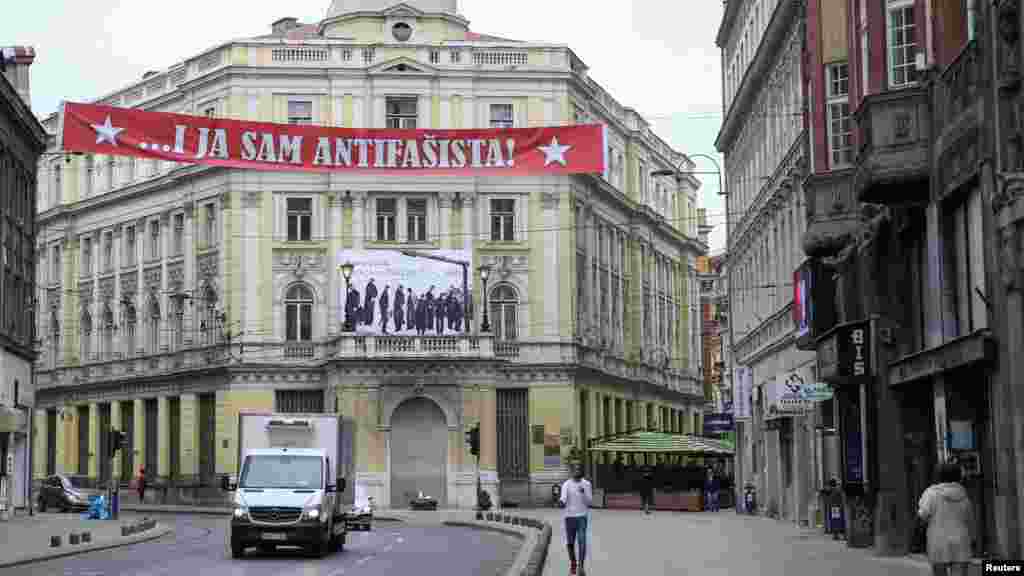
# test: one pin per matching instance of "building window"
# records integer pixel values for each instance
(840, 124)
(902, 43)
(300, 216)
(299, 401)
(154, 326)
(435, 56)
(504, 304)
(129, 249)
(108, 252)
(300, 112)
(707, 285)
(455, 56)
(154, 240)
(55, 335)
(417, 219)
(179, 234)
(386, 213)
(211, 225)
(86, 336)
(57, 269)
(208, 320)
(503, 216)
(401, 112)
(86, 256)
(501, 116)
(108, 329)
(178, 318)
(298, 306)
(130, 322)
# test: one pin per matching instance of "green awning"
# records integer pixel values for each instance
(663, 443)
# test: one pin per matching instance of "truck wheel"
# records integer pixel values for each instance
(237, 550)
(339, 541)
(317, 548)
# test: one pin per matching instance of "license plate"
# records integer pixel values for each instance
(274, 536)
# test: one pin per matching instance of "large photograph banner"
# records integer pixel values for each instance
(406, 292)
(98, 129)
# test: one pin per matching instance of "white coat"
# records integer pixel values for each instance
(949, 514)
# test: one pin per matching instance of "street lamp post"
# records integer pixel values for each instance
(346, 272)
(485, 272)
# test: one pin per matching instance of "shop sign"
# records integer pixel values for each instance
(846, 352)
(816, 392)
(788, 396)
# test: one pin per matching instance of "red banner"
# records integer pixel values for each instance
(96, 129)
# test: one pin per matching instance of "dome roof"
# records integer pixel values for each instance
(340, 7)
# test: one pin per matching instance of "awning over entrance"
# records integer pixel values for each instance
(645, 442)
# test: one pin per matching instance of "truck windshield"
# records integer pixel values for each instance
(281, 471)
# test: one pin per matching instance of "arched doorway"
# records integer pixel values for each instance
(419, 452)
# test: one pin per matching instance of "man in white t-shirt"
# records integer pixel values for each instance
(576, 497)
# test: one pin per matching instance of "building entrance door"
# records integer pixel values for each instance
(419, 452)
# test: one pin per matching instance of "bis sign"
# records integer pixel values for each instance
(844, 353)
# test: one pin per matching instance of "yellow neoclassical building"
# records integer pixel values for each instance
(173, 296)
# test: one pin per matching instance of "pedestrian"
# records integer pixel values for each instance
(647, 489)
(711, 492)
(947, 511)
(140, 485)
(576, 497)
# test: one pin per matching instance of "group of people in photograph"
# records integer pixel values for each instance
(402, 311)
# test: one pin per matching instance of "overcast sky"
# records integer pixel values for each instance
(655, 56)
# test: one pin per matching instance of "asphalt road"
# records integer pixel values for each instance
(198, 546)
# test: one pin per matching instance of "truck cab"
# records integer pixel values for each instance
(286, 495)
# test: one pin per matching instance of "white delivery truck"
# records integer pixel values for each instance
(289, 485)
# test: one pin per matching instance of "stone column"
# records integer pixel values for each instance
(115, 424)
(163, 298)
(189, 436)
(358, 199)
(94, 440)
(163, 436)
(189, 282)
(141, 302)
(445, 214)
(550, 199)
(335, 283)
(61, 466)
(139, 433)
(469, 229)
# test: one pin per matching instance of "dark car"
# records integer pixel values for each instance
(65, 493)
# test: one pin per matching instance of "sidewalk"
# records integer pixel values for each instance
(27, 538)
(712, 544)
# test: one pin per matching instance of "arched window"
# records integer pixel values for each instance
(86, 336)
(153, 325)
(504, 305)
(131, 320)
(108, 331)
(298, 306)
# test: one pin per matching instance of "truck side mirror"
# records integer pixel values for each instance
(340, 485)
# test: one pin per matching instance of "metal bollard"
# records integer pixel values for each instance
(54, 541)
(73, 539)
(86, 537)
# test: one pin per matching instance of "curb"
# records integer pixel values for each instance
(536, 536)
(154, 532)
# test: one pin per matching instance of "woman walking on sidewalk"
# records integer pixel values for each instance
(576, 497)
(949, 515)
(140, 485)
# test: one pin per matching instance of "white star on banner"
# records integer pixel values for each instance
(554, 152)
(106, 132)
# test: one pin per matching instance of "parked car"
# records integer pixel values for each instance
(360, 518)
(66, 493)
(422, 502)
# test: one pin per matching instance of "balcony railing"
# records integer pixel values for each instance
(410, 347)
(134, 367)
